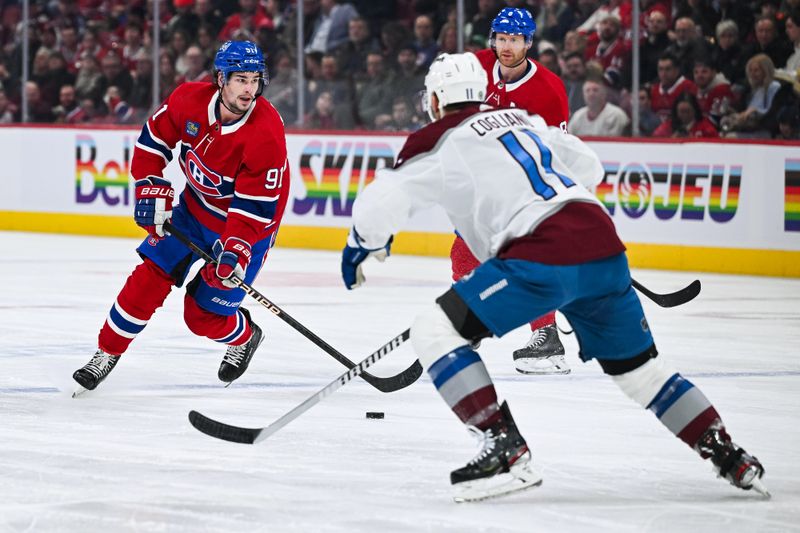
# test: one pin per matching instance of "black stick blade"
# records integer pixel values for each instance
(218, 430)
(686, 294)
(672, 299)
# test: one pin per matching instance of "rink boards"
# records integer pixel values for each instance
(730, 207)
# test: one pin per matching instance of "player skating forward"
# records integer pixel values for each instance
(516, 191)
(233, 153)
(514, 80)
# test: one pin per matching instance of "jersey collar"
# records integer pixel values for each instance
(227, 128)
(496, 78)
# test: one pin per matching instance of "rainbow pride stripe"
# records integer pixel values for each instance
(691, 192)
(335, 157)
(91, 181)
(666, 206)
(716, 210)
(605, 189)
(791, 202)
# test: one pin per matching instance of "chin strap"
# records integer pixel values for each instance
(524, 58)
(222, 101)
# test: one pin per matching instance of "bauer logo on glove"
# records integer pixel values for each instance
(232, 260)
(154, 197)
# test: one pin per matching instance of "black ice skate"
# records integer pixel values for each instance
(502, 466)
(94, 372)
(237, 358)
(544, 353)
(731, 462)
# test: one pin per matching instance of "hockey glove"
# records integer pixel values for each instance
(153, 204)
(354, 254)
(232, 260)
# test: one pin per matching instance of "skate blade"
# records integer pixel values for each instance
(530, 368)
(79, 392)
(519, 478)
(759, 487)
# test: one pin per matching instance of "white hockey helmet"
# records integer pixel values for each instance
(454, 78)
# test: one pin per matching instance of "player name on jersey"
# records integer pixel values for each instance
(485, 124)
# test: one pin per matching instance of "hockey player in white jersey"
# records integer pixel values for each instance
(516, 191)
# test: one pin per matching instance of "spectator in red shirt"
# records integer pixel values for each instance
(249, 17)
(671, 84)
(611, 51)
(687, 121)
(714, 94)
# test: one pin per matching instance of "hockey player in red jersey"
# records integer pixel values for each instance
(518, 192)
(233, 153)
(517, 81)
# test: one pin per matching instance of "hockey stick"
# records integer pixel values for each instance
(671, 299)
(389, 384)
(223, 431)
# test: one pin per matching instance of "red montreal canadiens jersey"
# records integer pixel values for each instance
(237, 175)
(538, 92)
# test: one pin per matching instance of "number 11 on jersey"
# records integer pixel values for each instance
(511, 143)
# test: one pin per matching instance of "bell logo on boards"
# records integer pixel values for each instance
(105, 176)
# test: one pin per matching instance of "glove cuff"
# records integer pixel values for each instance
(355, 240)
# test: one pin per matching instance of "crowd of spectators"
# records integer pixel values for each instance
(707, 68)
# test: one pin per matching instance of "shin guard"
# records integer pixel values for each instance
(677, 403)
(233, 330)
(144, 291)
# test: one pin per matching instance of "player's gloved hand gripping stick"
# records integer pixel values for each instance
(154, 197)
(389, 384)
(354, 254)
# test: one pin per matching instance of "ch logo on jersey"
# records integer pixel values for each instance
(203, 179)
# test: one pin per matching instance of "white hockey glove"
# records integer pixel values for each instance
(355, 253)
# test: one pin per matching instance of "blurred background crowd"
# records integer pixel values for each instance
(707, 68)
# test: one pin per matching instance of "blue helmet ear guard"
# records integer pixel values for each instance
(513, 21)
(241, 56)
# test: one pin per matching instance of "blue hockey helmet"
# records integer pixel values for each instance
(241, 56)
(513, 21)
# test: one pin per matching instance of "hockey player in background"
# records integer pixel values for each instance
(514, 80)
(233, 153)
(516, 191)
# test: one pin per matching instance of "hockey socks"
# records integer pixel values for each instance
(677, 403)
(233, 330)
(144, 291)
(545, 320)
(464, 383)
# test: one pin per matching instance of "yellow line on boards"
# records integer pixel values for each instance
(657, 256)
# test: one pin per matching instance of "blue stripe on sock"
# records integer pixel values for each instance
(237, 331)
(450, 364)
(672, 390)
(123, 324)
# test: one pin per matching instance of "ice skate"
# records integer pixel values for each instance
(544, 353)
(237, 358)
(94, 372)
(731, 462)
(502, 466)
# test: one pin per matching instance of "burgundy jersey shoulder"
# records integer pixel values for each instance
(425, 139)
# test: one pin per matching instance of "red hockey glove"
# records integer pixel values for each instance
(232, 260)
(153, 204)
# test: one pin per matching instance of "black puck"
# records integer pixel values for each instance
(374, 414)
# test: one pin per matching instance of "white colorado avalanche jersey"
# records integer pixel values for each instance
(498, 174)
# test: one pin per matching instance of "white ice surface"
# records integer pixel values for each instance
(125, 458)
